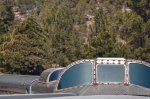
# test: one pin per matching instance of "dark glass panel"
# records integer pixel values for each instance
(110, 73)
(139, 74)
(79, 74)
(55, 75)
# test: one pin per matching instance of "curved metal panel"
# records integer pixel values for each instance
(17, 80)
(45, 75)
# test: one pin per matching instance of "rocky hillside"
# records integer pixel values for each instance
(39, 34)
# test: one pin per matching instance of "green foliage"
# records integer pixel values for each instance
(25, 53)
(6, 17)
(142, 7)
(61, 31)
(59, 23)
(101, 21)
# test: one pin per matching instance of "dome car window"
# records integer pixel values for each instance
(139, 74)
(55, 75)
(77, 75)
(110, 73)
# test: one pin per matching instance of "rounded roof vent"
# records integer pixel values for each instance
(50, 74)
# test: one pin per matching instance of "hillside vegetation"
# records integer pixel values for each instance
(40, 34)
